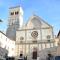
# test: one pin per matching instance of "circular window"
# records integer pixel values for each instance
(34, 34)
(48, 36)
(21, 38)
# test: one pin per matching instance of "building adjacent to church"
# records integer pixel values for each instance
(7, 46)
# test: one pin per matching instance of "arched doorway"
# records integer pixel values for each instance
(34, 53)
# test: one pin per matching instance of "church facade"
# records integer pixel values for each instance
(35, 36)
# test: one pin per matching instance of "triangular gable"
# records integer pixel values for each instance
(36, 22)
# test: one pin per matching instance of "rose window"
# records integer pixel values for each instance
(34, 34)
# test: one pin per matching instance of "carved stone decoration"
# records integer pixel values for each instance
(34, 34)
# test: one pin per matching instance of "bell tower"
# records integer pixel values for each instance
(15, 17)
(15, 21)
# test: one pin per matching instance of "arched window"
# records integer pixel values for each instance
(16, 13)
(12, 13)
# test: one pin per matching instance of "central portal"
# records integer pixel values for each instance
(34, 53)
(28, 50)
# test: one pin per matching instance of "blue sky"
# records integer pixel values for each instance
(49, 10)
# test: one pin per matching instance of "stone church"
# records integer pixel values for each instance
(35, 35)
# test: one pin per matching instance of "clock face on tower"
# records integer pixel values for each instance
(34, 34)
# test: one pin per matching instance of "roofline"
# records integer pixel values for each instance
(45, 21)
(40, 18)
(14, 7)
(3, 33)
